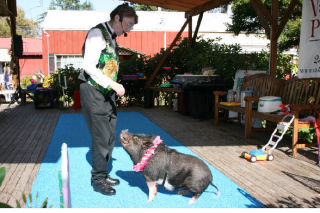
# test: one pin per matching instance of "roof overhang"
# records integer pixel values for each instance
(190, 7)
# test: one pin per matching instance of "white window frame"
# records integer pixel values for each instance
(62, 64)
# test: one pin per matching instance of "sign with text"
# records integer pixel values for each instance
(309, 59)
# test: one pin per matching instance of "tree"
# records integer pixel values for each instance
(66, 5)
(245, 19)
(25, 27)
(143, 7)
(69, 5)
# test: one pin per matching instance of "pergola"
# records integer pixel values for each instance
(268, 19)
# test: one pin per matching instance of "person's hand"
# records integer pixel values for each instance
(118, 88)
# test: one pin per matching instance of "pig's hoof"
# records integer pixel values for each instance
(151, 199)
(192, 201)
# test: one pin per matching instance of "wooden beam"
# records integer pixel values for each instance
(12, 5)
(166, 55)
(189, 31)
(195, 34)
(207, 6)
(286, 17)
(263, 19)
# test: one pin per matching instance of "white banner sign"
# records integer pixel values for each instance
(309, 59)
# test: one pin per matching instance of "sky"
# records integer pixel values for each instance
(33, 8)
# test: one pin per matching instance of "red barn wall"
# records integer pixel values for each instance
(70, 42)
(29, 65)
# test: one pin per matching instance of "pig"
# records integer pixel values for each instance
(167, 166)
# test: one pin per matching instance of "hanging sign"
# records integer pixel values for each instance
(309, 59)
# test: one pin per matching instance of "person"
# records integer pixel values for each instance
(99, 89)
(6, 78)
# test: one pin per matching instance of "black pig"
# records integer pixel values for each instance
(168, 167)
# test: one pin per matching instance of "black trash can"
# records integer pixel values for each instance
(43, 98)
(200, 99)
(182, 102)
(148, 98)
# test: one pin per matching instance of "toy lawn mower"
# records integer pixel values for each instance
(264, 154)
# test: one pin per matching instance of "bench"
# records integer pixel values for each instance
(295, 92)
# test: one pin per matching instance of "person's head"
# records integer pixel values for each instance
(122, 19)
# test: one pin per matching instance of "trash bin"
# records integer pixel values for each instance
(182, 102)
(200, 99)
(43, 98)
(148, 98)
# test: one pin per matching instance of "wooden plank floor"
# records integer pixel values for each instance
(285, 182)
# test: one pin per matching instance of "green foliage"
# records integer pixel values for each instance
(24, 198)
(2, 174)
(57, 82)
(244, 19)
(225, 59)
(69, 5)
(290, 36)
(25, 27)
(25, 81)
(143, 7)
(132, 66)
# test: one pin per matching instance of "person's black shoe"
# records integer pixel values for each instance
(112, 181)
(103, 187)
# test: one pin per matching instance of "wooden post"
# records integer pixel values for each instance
(165, 56)
(195, 34)
(14, 58)
(189, 31)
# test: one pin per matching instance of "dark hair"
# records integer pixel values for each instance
(124, 10)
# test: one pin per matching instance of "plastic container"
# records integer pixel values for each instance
(230, 95)
(269, 104)
(245, 93)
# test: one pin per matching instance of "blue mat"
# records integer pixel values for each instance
(133, 191)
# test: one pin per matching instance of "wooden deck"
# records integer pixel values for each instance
(285, 182)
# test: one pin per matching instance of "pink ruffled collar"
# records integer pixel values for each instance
(144, 160)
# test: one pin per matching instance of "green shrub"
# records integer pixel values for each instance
(57, 82)
(25, 81)
(24, 198)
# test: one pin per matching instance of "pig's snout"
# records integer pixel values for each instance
(124, 136)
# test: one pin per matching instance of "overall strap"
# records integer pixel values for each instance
(105, 34)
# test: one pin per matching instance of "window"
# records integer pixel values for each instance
(63, 60)
(51, 64)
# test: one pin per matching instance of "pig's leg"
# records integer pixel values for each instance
(183, 192)
(194, 199)
(152, 186)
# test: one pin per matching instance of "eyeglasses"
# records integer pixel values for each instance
(129, 26)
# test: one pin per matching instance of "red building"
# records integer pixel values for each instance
(31, 62)
(64, 32)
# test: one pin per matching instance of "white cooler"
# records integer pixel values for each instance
(269, 104)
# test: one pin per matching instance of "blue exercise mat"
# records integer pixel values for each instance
(132, 191)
